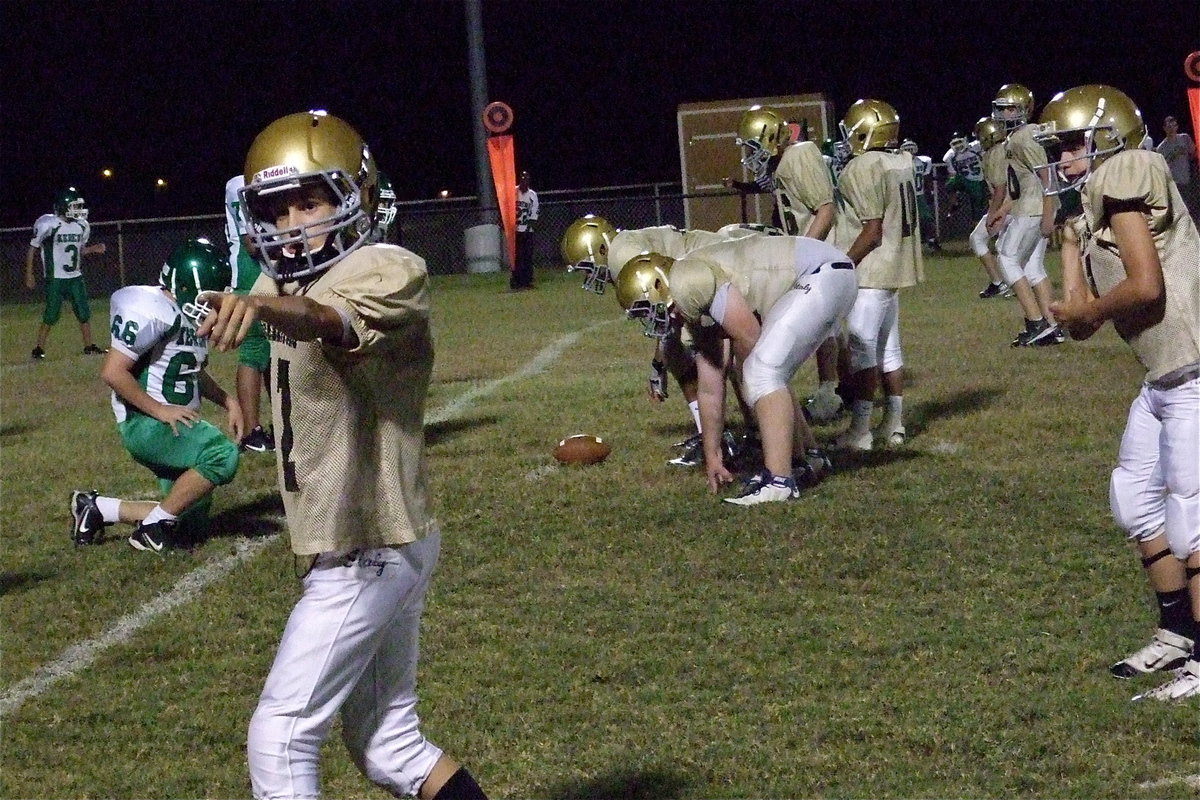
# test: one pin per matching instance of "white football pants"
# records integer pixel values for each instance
(874, 327)
(795, 326)
(979, 237)
(1021, 251)
(350, 644)
(1157, 479)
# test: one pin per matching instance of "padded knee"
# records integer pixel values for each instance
(760, 380)
(979, 239)
(1010, 270)
(218, 461)
(893, 355)
(1142, 518)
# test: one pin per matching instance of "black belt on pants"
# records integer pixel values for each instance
(834, 265)
(1177, 378)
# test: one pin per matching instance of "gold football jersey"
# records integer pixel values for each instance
(1141, 179)
(762, 268)
(802, 185)
(349, 422)
(880, 185)
(662, 239)
(1024, 185)
(995, 167)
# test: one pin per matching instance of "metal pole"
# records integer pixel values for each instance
(489, 210)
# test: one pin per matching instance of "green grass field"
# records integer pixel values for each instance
(933, 621)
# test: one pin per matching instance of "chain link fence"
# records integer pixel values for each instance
(136, 249)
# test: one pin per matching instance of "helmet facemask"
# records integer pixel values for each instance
(385, 214)
(756, 159)
(959, 143)
(77, 210)
(289, 253)
(1098, 144)
(1012, 115)
(655, 317)
(192, 269)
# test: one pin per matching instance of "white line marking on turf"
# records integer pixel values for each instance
(1191, 781)
(79, 657)
(547, 356)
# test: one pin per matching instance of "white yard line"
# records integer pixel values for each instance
(1191, 781)
(79, 657)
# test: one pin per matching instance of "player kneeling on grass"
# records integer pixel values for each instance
(774, 299)
(1140, 248)
(156, 368)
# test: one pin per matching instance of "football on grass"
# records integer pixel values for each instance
(582, 448)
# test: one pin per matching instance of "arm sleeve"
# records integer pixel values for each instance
(380, 299)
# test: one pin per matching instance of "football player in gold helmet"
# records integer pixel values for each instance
(989, 136)
(1023, 218)
(879, 188)
(584, 247)
(351, 357)
(806, 203)
(1141, 249)
(770, 301)
(1012, 106)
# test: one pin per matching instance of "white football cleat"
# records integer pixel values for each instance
(853, 440)
(1166, 651)
(1186, 683)
(766, 488)
(890, 433)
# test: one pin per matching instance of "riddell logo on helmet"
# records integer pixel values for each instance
(270, 173)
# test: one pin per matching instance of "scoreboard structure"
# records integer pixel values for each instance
(708, 153)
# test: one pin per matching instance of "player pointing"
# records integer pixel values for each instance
(351, 357)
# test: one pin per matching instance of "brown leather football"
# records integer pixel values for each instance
(582, 448)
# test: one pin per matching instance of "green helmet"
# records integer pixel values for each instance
(195, 266)
(69, 204)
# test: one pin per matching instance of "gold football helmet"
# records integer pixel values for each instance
(762, 134)
(644, 291)
(308, 151)
(870, 125)
(1013, 106)
(585, 247)
(989, 132)
(1100, 119)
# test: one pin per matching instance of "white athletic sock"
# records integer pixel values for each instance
(860, 420)
(895, 404)
(694, 407)
(110, 509)
(157, 514)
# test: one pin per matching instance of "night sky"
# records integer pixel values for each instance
(178, 89)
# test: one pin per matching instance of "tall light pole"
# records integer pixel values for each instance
(479, 95)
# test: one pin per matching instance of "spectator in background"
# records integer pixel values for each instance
(527, 215)
(62, 240)
(1180, 152)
